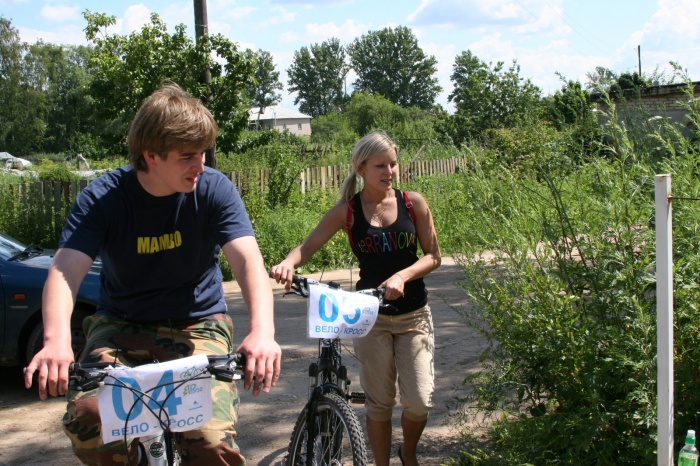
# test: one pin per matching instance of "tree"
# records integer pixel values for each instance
(263, 93)
(59, 73)
(605, 80)
(317, 75)
(126, 70)
(570, 109)
(22, 106)
(44, 101)
(630, 84)
(487, 97)
(570, 105)
(390, 63)
(601, 79)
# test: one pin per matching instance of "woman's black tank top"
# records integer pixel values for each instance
(383, 251)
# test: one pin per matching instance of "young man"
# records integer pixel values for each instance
(158, 227)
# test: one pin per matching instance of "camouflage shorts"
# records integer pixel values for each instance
(110, 339)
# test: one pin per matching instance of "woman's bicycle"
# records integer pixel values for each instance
(327, 432)
(152, 401)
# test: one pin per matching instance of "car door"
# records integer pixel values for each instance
(3, 305)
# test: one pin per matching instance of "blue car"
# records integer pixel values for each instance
(23, 271)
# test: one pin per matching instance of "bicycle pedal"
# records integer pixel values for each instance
(357, 398)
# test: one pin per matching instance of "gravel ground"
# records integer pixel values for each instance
(33, 434)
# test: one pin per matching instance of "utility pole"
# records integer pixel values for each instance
(201, 29)
(639, 59)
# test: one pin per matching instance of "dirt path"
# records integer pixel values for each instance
(33, 434)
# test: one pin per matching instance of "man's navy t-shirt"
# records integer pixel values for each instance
(160, 255)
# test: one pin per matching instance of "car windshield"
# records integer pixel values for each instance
(10, 247)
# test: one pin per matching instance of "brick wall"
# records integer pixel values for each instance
(659, 101)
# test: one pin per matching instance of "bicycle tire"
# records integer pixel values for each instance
(339, 439)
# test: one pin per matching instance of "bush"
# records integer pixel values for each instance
(284, 227)
(563, 301)
(566, 298)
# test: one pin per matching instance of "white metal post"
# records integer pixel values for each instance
(664, 318)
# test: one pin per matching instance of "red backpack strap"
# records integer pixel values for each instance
(409, 205)
(348, 222)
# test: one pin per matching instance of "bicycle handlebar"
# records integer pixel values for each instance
(300, 286)
(88, 376)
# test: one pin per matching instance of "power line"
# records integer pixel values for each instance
(550, 29)
(577, 31)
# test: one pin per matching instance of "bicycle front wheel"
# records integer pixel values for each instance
(338, 440)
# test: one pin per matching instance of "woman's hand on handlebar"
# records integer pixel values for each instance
(394, 287)
(283, 273)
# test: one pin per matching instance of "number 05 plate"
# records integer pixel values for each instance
(334, 313)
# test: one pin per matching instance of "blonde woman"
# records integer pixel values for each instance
(385, 227)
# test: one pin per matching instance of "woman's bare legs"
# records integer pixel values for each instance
(412, 431)
(379, 433)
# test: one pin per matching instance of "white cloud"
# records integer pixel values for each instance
(60, 13)
(312, 3)
(315, 33)
(278, 15)
(70, 35)
(135, 17)
(240, 13)
(677, 18)
(179, 13)
(527, 14)
(670, 34)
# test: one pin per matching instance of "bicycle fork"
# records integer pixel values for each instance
(155, 448)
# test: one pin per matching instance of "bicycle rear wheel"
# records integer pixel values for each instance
(339, 440)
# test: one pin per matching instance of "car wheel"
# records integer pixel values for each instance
(35, 342)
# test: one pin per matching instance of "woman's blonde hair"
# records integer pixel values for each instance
(371, 144)
(169, 118)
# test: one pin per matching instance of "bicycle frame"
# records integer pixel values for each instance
(328, 422)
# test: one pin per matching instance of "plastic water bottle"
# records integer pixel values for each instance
(689, 454)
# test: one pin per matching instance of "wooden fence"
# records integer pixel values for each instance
(36, 210)
(49, 201)
(332, 176)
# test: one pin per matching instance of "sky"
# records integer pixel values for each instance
(547, 38)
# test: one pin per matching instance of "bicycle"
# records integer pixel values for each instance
(156, 441)
(327, 431)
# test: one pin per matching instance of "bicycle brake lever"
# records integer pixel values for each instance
(88, 384)
(226, 376)
(297, 290)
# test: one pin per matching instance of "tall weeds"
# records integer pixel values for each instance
(565, 288)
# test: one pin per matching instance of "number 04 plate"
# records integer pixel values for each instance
(334, 313)
(169, 396)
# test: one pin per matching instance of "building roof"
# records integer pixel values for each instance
(275, 112)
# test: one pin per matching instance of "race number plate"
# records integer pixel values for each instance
(184, 405)
(334, 313)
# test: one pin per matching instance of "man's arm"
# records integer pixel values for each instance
(262, 351)
(66, 273)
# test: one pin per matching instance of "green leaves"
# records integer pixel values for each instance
(487, 97)
(263, 92)
(317, 75)
(562, 291)
(390, 63)
(127, 69)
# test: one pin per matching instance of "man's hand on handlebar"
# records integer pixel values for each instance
(263, 361)
(50, 367)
